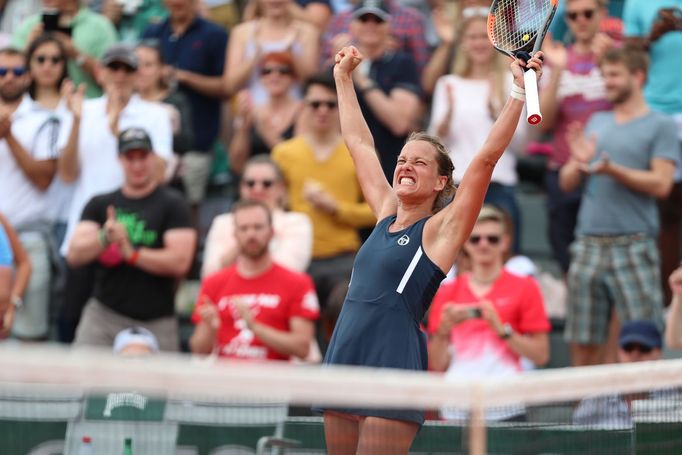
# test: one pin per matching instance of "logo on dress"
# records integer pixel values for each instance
(404, 240)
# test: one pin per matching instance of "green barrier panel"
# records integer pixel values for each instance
(25, 437)
(659, 438)
(559, 440)
(437, 438)
(124, 406)
(204, 439)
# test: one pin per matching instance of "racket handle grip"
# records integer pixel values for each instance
(532, 98)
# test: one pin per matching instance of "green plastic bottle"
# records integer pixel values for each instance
(128, 446)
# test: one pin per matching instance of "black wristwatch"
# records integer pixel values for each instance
(507, 331)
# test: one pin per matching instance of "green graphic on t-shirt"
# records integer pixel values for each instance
(136, 229)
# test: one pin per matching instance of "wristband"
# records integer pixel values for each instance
(133, 257)
(518, 93)
(16, 301)
(102, 238)
(80, 59)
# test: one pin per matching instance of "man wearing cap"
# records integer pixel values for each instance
(387, 82)
(141, 241)
(135, 341)
(639, 341)
(84, 34)
(407, 31)
(89, 158)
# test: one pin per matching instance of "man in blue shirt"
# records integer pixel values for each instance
(195, 49)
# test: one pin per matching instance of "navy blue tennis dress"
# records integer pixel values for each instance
(392, 285)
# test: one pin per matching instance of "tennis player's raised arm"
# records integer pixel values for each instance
(358, 138)
(455, 222)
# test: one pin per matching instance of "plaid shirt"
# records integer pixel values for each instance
(407, 27)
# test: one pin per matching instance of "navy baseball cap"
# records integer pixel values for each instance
(642, 332)
(134, 139)
(378, 8)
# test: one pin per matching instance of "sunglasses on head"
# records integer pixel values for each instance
(316, 104)
(370, 18)
(491, 239)
(16, 71)
(283, 70)
(266, 183)
(117, 66)
(54, 59)
(574, 15)
(630, 347)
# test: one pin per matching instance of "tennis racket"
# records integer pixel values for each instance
(516, 28)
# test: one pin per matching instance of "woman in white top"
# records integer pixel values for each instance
(274, 30)
(466, 104)
(292, 245)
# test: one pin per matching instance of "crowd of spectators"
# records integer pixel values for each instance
(113, 114)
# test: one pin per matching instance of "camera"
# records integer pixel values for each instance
(475, 313)
(51, 22)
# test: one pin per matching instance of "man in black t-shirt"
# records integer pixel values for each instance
(142, 240)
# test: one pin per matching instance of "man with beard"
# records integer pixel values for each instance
(626, 159)
(28, 163)
(141, 240)
(255, 309)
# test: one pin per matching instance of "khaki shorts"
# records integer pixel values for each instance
(99, 325)
(195, 172)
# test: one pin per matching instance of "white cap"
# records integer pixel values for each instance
(135, 335)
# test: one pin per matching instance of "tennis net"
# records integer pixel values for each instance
(51, 398)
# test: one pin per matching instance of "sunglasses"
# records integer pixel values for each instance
(491, 239)
(16, 71)
(283, 70)
(251, 183)
(574, 15)
(370, 18)
(54, 59)
(116, 66)
(637, 347)
(316, 104)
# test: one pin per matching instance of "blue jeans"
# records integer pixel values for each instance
(562, 214)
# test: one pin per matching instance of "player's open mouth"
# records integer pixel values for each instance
(406, 181)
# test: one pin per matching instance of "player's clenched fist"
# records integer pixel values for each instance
(347, 59)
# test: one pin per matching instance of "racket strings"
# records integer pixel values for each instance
(515, 23)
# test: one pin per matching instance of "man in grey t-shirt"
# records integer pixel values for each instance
(626, 159)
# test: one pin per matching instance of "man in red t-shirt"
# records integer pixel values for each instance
(255, 309)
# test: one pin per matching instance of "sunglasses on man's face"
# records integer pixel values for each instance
(491, 239)
(631, 347)
(266, 183)
(54, 59)
(16, 71)
(586, 13)
(120, 67)
(283, 70)
(316, 104)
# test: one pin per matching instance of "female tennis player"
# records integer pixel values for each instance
(398, 269)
